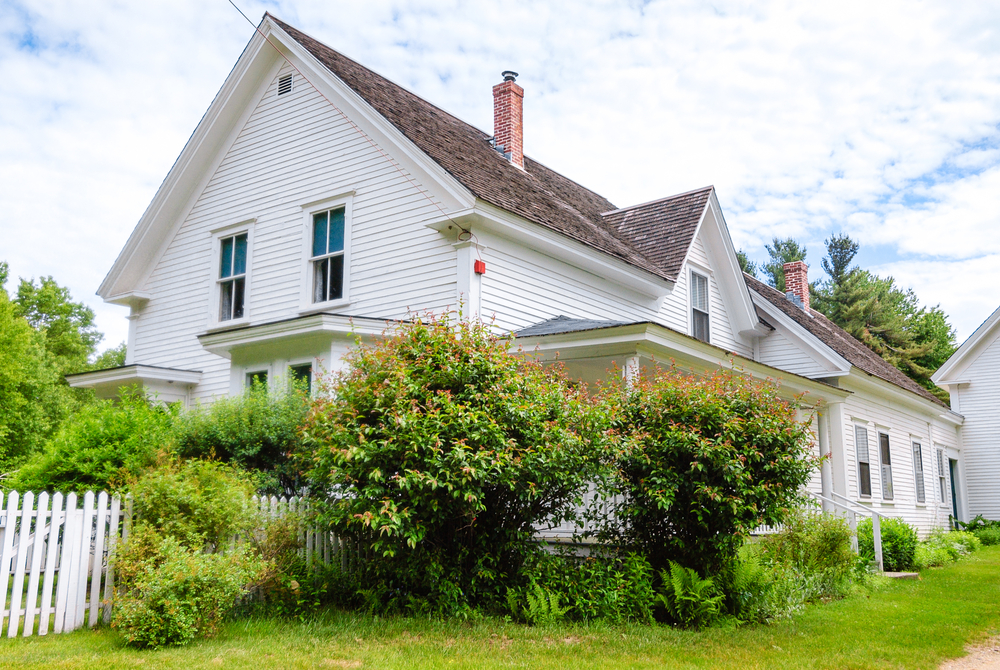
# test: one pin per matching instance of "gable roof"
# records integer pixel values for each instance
(967, 353)
(659, 229)
(838, 339)
(536, 193)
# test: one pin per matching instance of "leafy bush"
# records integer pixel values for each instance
(988, 536)
(601, 586)
(443, 451)
(690, 601)
(258, 431)
(817, 547)
(943, 547)
(759, 589)
(899, 543)
(201, 504)
(704, 461)
(105, 446)
(168, 593)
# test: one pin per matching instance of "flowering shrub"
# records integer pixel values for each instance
(442, 450)
(703, 461)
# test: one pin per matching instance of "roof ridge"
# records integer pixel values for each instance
(285, 24)
(659, 200)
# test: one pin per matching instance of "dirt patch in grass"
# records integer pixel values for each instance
(985, 656)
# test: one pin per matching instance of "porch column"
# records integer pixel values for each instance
(838, 448)
(826, 471)
(469, 282)
(631, 370)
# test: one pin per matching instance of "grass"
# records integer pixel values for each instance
(901, 624)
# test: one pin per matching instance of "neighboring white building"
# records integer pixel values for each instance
(972, 377)
(317, 200)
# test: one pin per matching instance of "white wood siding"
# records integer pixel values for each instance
(979, 402)
(676, 308)
(522, 287)
(293, 150)
(780, 352)
(903, 425)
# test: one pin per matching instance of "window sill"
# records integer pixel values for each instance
(232, 324)
(313, 308)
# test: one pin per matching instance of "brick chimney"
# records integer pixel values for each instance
(797, 283)
(508, 127)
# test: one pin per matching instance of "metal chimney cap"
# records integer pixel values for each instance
(509, 76)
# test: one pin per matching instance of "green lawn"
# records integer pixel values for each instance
(905, 624)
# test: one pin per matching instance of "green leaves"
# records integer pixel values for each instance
(702, 462)
(451, 448)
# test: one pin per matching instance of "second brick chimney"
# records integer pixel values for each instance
(797, 283)
(508, 126)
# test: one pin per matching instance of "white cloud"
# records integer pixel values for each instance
(876, 118)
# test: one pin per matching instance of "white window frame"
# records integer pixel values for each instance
(692, 271)
(214, 283)
(857, 459)
(296, 363)
(944, 486)
(344, 200)
(883, 470)
(919, 475)
(251, 369)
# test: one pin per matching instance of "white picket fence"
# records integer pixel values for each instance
(54, 572)
(56, 559)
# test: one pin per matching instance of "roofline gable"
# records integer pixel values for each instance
(739, 304)
(263, 57)
(968, 352)
(808, 342)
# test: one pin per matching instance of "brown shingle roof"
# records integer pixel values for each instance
(659, 229)
(537, 193)
(842, 342)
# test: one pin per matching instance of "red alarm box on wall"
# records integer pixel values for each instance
(479, 267)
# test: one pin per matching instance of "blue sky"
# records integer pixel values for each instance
(874, 119)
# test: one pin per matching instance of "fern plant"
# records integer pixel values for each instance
(540, 606)
(691, 601)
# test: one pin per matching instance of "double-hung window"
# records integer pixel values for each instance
(328, 255)
(942, 483)
(864, 462)
(699, 307)
(883, 444)
(232, 280)
(918, 471)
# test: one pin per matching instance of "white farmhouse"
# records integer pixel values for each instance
(317, 200)
(972, 377)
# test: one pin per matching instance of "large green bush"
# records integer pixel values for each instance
(899, 543)
(104, 446)
(704, 461)
(257, 430)
(180, 573)
(441, 451)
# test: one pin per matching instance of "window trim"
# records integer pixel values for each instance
(707, 276)
(857, 459)
(943, 483)
(885, 468)
(919, 479)
(306, 305)
(214, 282)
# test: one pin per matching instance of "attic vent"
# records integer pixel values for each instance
(285, 84)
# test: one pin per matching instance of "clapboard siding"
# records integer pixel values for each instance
(292, 150)
(904, 425)
(979, 402)
(674, 310)
(522, 287)
(780, 352)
